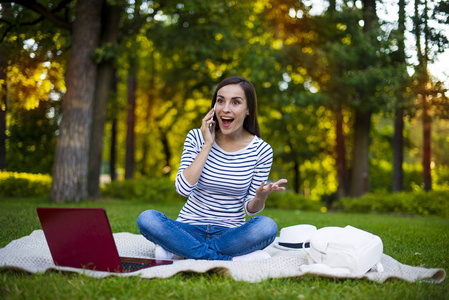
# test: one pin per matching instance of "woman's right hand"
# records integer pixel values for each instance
(193, 172)
(208, 127)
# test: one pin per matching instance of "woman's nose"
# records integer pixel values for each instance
(226, 106)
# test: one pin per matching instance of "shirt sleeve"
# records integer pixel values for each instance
(261, 173)
(192, 146)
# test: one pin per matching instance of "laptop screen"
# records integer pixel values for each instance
(80, 238)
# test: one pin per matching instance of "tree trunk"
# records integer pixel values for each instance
(362, 124)
(398, 151)
(297, 177)
(72, 149)
(5, 10)
(149, 119)
(360, 154)
(340, 149)
(113, 147)
(109, 36)
(427, 153)
(167, 152)
(131, 120)
(340, 145)
(130, 133)
(3, 106)
(332, 6)
(423, 80)
(113, 151)
(369, 14)
(398, 139)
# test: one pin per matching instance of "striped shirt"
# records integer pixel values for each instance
(228, 181)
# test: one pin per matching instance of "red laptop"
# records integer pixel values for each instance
(82, 238)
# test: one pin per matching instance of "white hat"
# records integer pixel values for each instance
(294, 237)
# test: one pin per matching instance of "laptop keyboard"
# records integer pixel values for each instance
(132, 266)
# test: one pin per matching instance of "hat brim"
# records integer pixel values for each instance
(289, 248)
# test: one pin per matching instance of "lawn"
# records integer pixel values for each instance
(413, 240)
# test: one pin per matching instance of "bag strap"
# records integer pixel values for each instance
(378, 267)
(307, 250)
(295, 245)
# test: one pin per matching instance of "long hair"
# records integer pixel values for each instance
(250, 123)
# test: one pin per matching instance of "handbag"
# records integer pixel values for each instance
(346, 248)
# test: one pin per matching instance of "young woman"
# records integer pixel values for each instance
(223, 172)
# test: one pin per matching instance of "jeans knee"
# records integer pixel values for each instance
(267, 227)
(272, 226)
(146, 219)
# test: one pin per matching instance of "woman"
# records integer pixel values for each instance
(223, 171)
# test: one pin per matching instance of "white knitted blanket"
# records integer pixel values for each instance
(31, 254)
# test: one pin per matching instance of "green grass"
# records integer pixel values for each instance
(418, 241)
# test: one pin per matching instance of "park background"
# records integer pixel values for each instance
(105, 91)
(352, 97)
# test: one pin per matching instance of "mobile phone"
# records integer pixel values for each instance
(211, 125)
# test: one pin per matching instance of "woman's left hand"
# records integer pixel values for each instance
(263, 191)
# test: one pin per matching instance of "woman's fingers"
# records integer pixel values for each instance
(281, 181)
(208, 119)
(273, 186)
(210, 114)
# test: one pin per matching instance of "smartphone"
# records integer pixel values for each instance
(211, 125)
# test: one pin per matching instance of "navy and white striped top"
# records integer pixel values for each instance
(228, 181)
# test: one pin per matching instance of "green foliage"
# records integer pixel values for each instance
(154, 190)
(290, 200)
(163, 191)
(442, 176)
(381, 173)
(32, 138)
(417, 203)
(24, 185)
(302, 65)
(107, 52)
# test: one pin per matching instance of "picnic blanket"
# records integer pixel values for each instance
(31, 254)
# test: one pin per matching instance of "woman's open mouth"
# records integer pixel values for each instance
(227, 121)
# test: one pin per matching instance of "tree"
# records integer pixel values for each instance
(32, 137)
(131, 122)
(398, 139)
(3, 95)
(104, 81)
(343, 53)
(3, 106)
(315, 75)
(113, 136)
(131, 97)
(175, 78)
(31, 67)
(72, 150)
(340, 143)
(362, 117)
(429, 93)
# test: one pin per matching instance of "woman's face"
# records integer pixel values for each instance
(231, 108)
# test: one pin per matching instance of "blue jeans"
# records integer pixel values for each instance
(208, 242)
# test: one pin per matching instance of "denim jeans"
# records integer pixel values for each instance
(208, 242)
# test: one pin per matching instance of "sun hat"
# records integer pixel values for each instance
(295, 237)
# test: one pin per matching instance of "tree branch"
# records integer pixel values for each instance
(33, 5)
(4, 34)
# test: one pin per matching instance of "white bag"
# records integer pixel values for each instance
(347, 248)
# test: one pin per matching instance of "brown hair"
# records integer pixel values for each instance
(250, 123)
